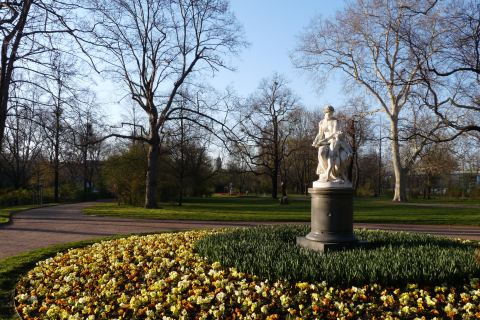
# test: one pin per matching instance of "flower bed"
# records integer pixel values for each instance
(161, 277)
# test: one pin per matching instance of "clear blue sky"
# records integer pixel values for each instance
(272, 28)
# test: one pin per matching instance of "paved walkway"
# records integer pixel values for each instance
(47, 226)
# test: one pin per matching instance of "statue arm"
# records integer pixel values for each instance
(335, 128)
(319, 136)
(323, 139)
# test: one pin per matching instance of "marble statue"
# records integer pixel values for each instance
(332, 195)
(334, 153)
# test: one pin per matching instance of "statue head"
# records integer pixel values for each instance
(328, 109)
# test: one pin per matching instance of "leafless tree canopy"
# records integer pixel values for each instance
(31, 30)
(267, 122)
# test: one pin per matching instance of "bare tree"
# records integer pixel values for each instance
(266, 125)
(358, 116)
(303, 162)
(62, 98)
(447, 44)
(437, 162)
(156, 48)
(29, 29)
(23, 141)
(14, 18)
(364, 42)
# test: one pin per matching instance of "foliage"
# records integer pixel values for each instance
(159, 276)
(69, 192)
(16, 197)
(433, 168)
(390, 258)
(186, 167)
(124, 174)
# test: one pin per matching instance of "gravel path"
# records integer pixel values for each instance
(47, 226)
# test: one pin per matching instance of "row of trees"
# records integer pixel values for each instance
(415, 62)
(155, 48)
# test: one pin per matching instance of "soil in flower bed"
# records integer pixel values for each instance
(391, 258)
(162, 277)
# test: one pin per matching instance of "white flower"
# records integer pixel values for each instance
(220, 296)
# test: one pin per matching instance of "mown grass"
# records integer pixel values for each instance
(233, 209)
(6, 213)
(384, 211)
(390, 258)
(371, 210)
(12, 268)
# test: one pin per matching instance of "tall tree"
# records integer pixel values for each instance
(63, 95)
(14, 19)
(365, 42)
(155, 48)
(266, 124)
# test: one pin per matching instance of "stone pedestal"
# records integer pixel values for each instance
(331, 221)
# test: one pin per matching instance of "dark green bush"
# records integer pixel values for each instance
(391, 258)
(16, 197)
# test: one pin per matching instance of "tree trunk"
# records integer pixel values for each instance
(356, 177)
(274, 185)
(56, 177)
(3, 117)
(57, 154)
(11, 40)
(182, 162)
(85, 173)
(400, 194)
(151, 181)
(276, 160)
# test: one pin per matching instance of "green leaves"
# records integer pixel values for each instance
(391, 258)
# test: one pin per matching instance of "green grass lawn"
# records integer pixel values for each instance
(5, 213)
(425, 212)
(231, 208)
(265, 209)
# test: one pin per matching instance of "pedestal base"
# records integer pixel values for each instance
(328, 246)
